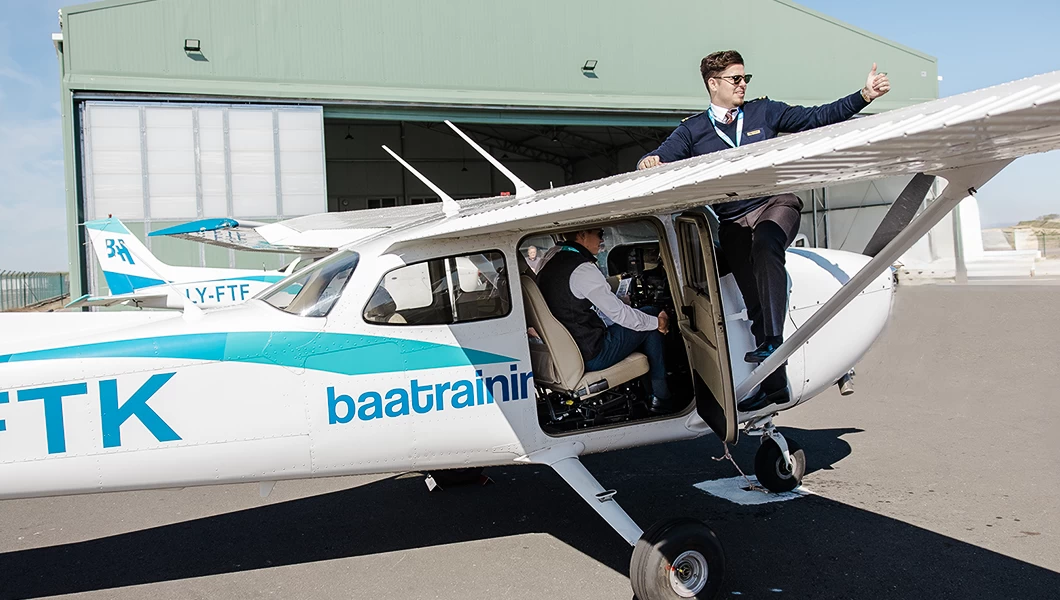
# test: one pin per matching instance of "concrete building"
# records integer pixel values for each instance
(175, 110)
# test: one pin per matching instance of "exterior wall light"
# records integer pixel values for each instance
(589, 66)
(192, 46)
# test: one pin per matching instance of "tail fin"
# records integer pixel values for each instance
(127, 264)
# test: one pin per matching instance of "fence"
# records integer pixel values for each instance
(1049, 244)
(19, 290)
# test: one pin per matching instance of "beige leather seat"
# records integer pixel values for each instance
(557, 362)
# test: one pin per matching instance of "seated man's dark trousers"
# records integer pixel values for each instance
(754, 246)
(621, 342)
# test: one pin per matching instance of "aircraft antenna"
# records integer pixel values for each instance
(521, 189)
(449, 206)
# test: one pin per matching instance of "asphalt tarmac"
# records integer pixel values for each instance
(939, 478)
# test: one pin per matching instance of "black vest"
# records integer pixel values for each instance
(576, 314)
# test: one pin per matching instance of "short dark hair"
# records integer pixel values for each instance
(570, 236)
(716, 62)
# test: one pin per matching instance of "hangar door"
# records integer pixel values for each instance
(154, 165)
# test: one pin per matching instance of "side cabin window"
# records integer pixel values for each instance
(312, 291)
(443, 291)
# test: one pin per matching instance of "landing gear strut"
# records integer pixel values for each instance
(675, 558)
(780, 463)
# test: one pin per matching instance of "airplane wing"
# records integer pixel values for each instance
(993, 124)
(156, 299)
(988, 125)
(312, 234)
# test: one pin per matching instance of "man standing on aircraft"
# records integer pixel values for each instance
(573, 285)
(754, 233)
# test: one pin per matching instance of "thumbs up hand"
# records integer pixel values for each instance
(876, 85)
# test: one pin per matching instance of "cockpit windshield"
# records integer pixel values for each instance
(313, 291)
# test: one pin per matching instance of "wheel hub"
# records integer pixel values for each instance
(688, 574)
(782, 468)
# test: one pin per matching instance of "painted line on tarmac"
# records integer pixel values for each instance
(735, 490)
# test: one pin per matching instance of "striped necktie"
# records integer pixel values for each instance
(730, 115)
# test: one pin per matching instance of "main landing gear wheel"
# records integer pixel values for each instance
(771, 469)
(677, 558)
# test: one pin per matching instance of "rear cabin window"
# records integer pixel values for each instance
(443, 291)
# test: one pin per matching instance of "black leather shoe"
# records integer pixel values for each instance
(763, 399)
(763, 350)
(660, 406)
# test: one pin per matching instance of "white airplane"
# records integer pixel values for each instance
(330, 372)
(137, 278)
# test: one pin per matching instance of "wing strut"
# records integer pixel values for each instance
(901, 213)
(962, 182)
(449, 206)
(521, 189)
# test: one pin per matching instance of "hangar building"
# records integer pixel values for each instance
(175, 110)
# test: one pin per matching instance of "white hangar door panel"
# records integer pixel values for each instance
(158, 164)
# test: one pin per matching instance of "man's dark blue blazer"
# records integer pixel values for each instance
(763, 119)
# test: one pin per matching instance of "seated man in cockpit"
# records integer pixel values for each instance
(580, 298)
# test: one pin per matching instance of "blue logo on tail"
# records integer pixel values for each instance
(117, 247)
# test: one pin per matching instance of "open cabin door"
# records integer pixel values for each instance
(702, 325)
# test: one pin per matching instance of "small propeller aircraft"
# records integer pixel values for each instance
(137, 278)
(407, 347)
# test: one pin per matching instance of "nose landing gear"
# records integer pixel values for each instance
(780, 463)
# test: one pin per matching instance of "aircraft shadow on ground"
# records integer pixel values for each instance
(812, 547)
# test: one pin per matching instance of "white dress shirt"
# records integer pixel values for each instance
(719, 113)
(588, 283)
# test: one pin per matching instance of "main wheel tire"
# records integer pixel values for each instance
(771, 470)
(677, 558)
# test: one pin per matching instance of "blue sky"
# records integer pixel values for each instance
(977, 44)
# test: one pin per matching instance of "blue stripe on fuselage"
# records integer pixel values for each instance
(346, 354)
(120, 283)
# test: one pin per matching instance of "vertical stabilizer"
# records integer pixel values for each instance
(127, 264)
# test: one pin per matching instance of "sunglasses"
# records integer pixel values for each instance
(735, 79)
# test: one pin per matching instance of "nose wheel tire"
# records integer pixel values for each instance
(773, 472)
(677, 558)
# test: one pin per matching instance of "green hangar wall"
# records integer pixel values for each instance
(182, 109)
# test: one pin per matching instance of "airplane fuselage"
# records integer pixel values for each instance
(112, 401)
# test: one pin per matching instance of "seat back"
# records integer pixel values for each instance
(524, 267)
(557, 362)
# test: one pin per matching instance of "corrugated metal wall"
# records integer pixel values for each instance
(478, 51)
(490, 61)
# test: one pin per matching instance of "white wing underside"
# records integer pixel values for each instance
(999, 123)
(137, 299)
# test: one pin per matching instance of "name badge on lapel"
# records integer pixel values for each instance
(755, 132)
